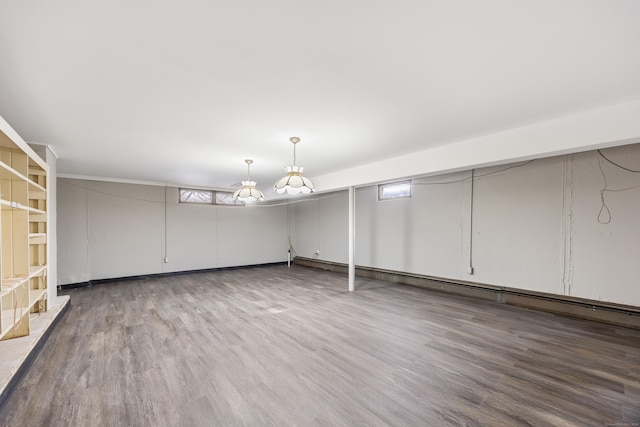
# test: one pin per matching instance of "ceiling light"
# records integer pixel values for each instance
(248, 192)
(294, 183)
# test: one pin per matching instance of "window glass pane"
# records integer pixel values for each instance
(224, 198)
(394, 190)
(188, 195)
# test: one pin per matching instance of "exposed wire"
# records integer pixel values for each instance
(93, 190)
(604, 209)
(476, 175)
(293, 202)
(269, 205)
(616, 164)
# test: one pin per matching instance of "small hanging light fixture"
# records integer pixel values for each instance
(294, 183)
(248, 192)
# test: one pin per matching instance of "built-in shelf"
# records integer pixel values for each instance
(23, 234)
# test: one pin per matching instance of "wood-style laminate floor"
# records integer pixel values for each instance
(274, 346)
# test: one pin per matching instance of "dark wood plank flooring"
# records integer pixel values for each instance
(291, 347)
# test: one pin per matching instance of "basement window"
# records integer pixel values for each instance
(200, 197)
(226, 198)
(394, 190)
(208, 197)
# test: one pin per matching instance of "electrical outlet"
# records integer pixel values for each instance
(317, 252)
(470, 270)
(166, 259)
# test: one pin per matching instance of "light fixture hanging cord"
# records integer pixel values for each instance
(294, 140)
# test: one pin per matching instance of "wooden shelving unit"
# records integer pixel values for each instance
(23, 235)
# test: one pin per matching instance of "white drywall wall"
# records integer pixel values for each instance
(304, 227)
(73, 236)
(532, 226)
(194, 228)
(605, 256)
(393, 234)
(252, 235)
(310, 217)
(125, 229)
(517, 226)
(110, 230)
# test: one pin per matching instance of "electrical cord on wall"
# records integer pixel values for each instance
(616, 164)
(475, 176)
(604, 214)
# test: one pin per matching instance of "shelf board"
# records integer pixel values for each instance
(37, 238)
(7, 172)
(36, 171)
(34, 210)
(7, 204)
(36, 295)
(8, 317)
(37, 216)
(11, 283)
(35, 187)
(37, 271)
(37, 193)
(7, 321)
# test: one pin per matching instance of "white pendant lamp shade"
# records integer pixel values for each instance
(294, 183)
(248, 192)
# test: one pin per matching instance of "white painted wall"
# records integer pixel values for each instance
(110, 230)
(605, 257)
(73, 230)
(517, 226)
(534, 226)
(311, 216)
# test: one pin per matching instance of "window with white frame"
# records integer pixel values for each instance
(394, 190)
(208, 197)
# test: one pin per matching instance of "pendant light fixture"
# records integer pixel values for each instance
(248, 192)
(294, 183)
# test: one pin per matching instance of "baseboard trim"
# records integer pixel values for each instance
(159, 275)
(600, 311)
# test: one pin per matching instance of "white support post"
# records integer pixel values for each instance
(352, 240)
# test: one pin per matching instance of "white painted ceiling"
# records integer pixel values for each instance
(181, 92)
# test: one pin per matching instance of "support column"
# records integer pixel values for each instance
(352, 239)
